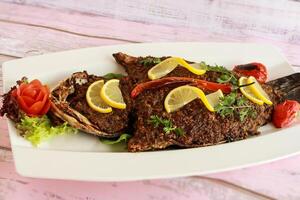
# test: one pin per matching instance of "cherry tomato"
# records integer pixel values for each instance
(285, 113)
(257, 70)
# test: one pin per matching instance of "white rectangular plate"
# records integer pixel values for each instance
(83, 157)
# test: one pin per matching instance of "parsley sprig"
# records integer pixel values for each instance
(167, 125)
(225, 78)
(149, 61)
(231, 105)
(227, 75)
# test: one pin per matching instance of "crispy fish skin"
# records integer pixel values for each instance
(136, 71)
(139, 73)
(69, 104)
(201, 127)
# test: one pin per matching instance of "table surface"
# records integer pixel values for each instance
(32, 27)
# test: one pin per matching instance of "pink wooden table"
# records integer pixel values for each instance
(31, 27)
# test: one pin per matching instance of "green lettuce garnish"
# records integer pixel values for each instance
(123, 138)
(113, 75)
(39, 129)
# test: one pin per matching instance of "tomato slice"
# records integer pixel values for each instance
(36, 82)
(28, 100)
(21, 88)
(33, 98)
(47, 89)
(45, 108)
(36, 108)
(23, 104)
(46, 95)
(40, 96)
(29, 91)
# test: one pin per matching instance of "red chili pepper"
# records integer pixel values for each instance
(285, 113)
(211, 86)
(205, 85)
(257, 70)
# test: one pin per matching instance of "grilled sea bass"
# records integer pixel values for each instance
(69, 104)
(163, 103)
(199, 126)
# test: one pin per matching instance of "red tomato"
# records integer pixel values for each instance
(30, 92)
(257, 70)
(33, 98)
(28, 100)
(285, 113)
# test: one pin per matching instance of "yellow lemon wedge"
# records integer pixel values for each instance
(247, 92)
(258, 91)
(165, 67)
(214, 98)
(183, 95)
(94, 99)
(112, 95)
(195, 69)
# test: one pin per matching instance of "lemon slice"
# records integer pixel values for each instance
(183, 95)
(112, 95)
(258, 91)
(214, 98)
(94, 100)
(247, 92)
(196, 69)
(165, 67)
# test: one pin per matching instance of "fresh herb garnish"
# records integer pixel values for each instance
(225, 78)
(123, 138)
(227, 75)
(167, 125)
(231, 105)
(243, 113)
(149, 61)
(39, 129)
(112, 76)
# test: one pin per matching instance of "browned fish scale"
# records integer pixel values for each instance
(139, 73)
(201, 127)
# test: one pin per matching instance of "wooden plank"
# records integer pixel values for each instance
(22, 40)
(274, 23)
(4, 138)
(166, 11)
(14, 186)
(27, 30)
(5, 156)
(281, 178)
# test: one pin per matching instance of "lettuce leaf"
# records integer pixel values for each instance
(39, 129)
(124, 137)
(113, 75)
